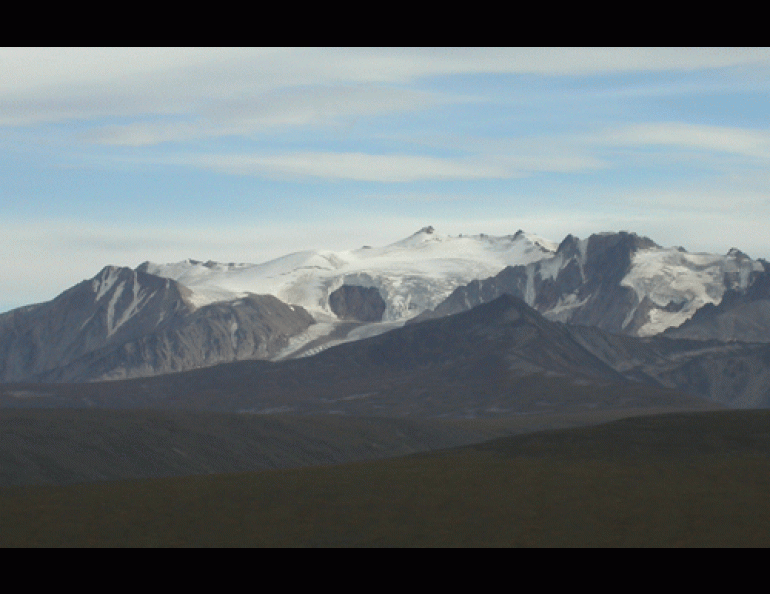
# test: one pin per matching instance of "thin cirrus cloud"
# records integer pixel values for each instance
(355, 167)
(204, 69)
(57, 84)
(721, 139)
(391, 168)
(243, 116)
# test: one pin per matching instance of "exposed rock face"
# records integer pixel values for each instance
(581, 284)
(118, 305)
(125, 323)
(352, 302)
(255, 327)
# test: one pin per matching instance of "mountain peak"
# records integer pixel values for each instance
(109, 269)
(425, 235)
(568, 244)
(110, 274)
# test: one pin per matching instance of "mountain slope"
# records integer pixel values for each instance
(126, 323)
(116, 306)
(740, 315)
(501, 358)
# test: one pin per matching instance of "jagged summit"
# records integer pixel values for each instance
(568, 244)
(628, 238)
(621, 282)
(736, 253)
(425, 235)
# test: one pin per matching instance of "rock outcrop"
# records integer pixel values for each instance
(352, 302)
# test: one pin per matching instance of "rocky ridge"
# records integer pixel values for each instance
(126, 323)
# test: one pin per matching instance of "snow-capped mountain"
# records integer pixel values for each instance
(619, 282)
(411, 275)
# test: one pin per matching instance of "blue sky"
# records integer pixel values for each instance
(120, 155)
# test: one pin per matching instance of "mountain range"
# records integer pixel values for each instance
(615, 308)
(627, 284)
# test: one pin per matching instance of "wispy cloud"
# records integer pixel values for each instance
(391, 168)
(205, 68)
(247, 115)
(55, 84)
(719, 139)
(356, 167)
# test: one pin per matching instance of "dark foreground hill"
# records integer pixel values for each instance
(66, 446)
(696, 479)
